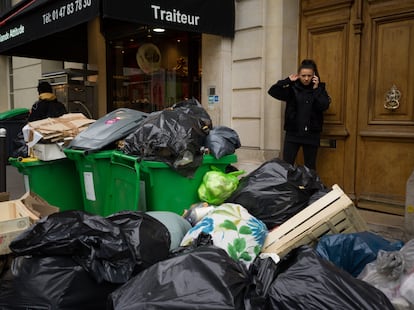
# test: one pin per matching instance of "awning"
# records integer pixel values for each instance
(56, 29)
(203, 16)
(48, 29)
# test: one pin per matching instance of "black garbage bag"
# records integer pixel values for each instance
(19, 146)
(206, 278)
(203, 239)
(276, 191)
(262, 275)
(56, 282)
(222, 141)
(104, 248)
(352, 252)
(149, 238)
(306, 281)
(174, 136)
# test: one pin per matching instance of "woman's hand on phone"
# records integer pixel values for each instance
(315, 81)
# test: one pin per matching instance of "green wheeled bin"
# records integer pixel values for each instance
(125, 189)
(109, 181)
(167, 190)
(93, 176)
(56, 181)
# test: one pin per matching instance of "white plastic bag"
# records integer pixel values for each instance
(390, 272)
(407, 288)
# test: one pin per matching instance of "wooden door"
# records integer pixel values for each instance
(364, 50)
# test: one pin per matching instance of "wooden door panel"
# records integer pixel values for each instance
(327, 46)
(385, 147)
(384, 167)
(393, 43)
(330, 164)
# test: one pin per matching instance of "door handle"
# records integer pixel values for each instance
(392, 99)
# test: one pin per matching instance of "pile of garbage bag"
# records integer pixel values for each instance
(211, 257)
(302, 280)
(81, 258)
(177, 136)
(75, 260)
(276, 191)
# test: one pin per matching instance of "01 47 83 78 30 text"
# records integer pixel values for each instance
(71, 7)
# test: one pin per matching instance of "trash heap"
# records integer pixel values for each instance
(276, 238)
(45, 138)
(57, 129)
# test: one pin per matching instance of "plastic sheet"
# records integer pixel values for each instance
(233, 229)
(206, 278)
(174, 136)
(58, 282)
(306, 281)
(352, 252)
(276, 191)
(108, 129)
(110, 249)
(222, 141)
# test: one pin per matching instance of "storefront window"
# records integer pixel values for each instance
(151, 69)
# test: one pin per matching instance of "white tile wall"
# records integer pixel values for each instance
(248, 44)
(249, 13)
(249, 131)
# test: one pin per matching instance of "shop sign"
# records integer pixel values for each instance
(212, 16)
(43, 19)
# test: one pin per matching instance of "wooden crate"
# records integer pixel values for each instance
(14, 220)
(331, 214)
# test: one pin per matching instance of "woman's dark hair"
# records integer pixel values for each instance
(309, 64)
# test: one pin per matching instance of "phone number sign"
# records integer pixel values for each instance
(43, 20)
(63, 11)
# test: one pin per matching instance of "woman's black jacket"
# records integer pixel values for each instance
(304, 105)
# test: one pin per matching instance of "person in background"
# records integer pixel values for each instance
(306, 100)
(47, 105)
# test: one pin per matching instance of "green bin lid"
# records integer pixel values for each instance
(13, 113)
(207, 160)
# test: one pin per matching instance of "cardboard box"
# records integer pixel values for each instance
(12, 222)
(333, 213)
(37, 206)
(17, 215)
(48, 152)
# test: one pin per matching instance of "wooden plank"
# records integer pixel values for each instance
(288, 229)
(338, 215)
(308, 212)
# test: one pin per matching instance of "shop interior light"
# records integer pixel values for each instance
(159, 30)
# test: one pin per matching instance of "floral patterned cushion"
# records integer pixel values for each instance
(233, 229)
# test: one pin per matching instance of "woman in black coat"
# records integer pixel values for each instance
(306, 99)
